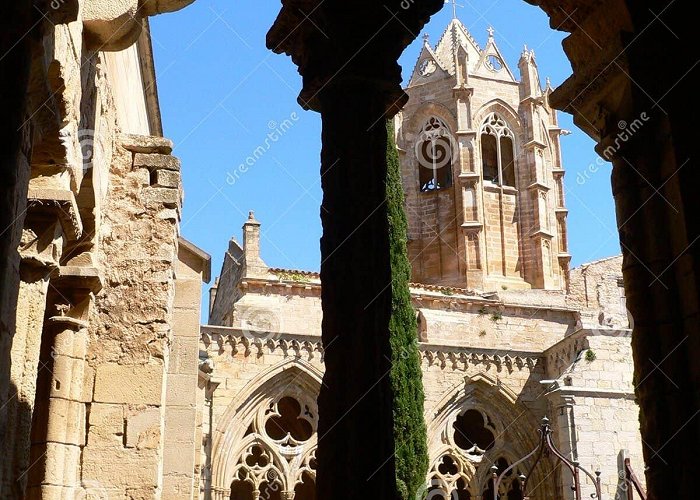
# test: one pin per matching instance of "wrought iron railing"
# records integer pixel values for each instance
(633, 484)
(546, 446)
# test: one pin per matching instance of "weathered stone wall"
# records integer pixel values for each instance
(598, 287)
(592, 398)
(131, 326)
(68, 352)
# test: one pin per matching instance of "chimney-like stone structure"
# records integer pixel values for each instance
(254, 267)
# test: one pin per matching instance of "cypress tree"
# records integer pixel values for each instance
(410, 434)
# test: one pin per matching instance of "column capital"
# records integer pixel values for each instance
(358, 43)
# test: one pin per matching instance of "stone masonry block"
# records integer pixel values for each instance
(186, 323)
(176, 487)
(121, 468)
(143, 428)
(181, 390)
(166, 178)
(161, 196)
(156, 162)
(188, 294)
(106, 425)
(134, 384)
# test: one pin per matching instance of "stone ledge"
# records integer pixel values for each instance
(61, 204)
(146, 144)
(78, 277)
(159, 195)
(166, 178)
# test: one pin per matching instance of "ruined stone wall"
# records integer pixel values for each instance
(131, 326)
(597, 289)
(226, 286)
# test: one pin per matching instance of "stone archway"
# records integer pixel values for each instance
(265, 444)
(476, 424)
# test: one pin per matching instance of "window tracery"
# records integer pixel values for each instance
(434, 150)
(462, 469)
(278, 452)
(497, 151)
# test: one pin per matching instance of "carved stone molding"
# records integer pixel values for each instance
(112, 25)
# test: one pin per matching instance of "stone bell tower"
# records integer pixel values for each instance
(482, 172)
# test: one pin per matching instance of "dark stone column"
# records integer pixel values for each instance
(659, 232)
(356, 445)
(347, 52)
(633, 89)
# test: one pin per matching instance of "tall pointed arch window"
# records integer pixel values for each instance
(434, 150)
(497, 153)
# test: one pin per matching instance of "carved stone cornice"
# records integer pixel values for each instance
(259, 343)
(309, 347)
(459, 358)
(113, 25)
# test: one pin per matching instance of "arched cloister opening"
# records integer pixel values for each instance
(265, 444)
(475, 426)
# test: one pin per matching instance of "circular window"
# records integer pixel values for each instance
(494, 63)
(427, 67)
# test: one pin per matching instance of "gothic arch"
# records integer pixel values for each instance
(429, 109)
(512, 425)
(501, 108)
(244, 449)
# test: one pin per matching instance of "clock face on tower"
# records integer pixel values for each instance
(427, 67)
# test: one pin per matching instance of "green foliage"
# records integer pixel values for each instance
(292, 276)
(410, 433)
(447, 291)
(496, 316)
(590, 356)
(482, 311)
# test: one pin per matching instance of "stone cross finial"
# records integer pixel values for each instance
(490, 31)
(251, 215)
(426, 38)
(454, 7)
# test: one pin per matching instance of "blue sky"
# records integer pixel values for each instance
(222, 92)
